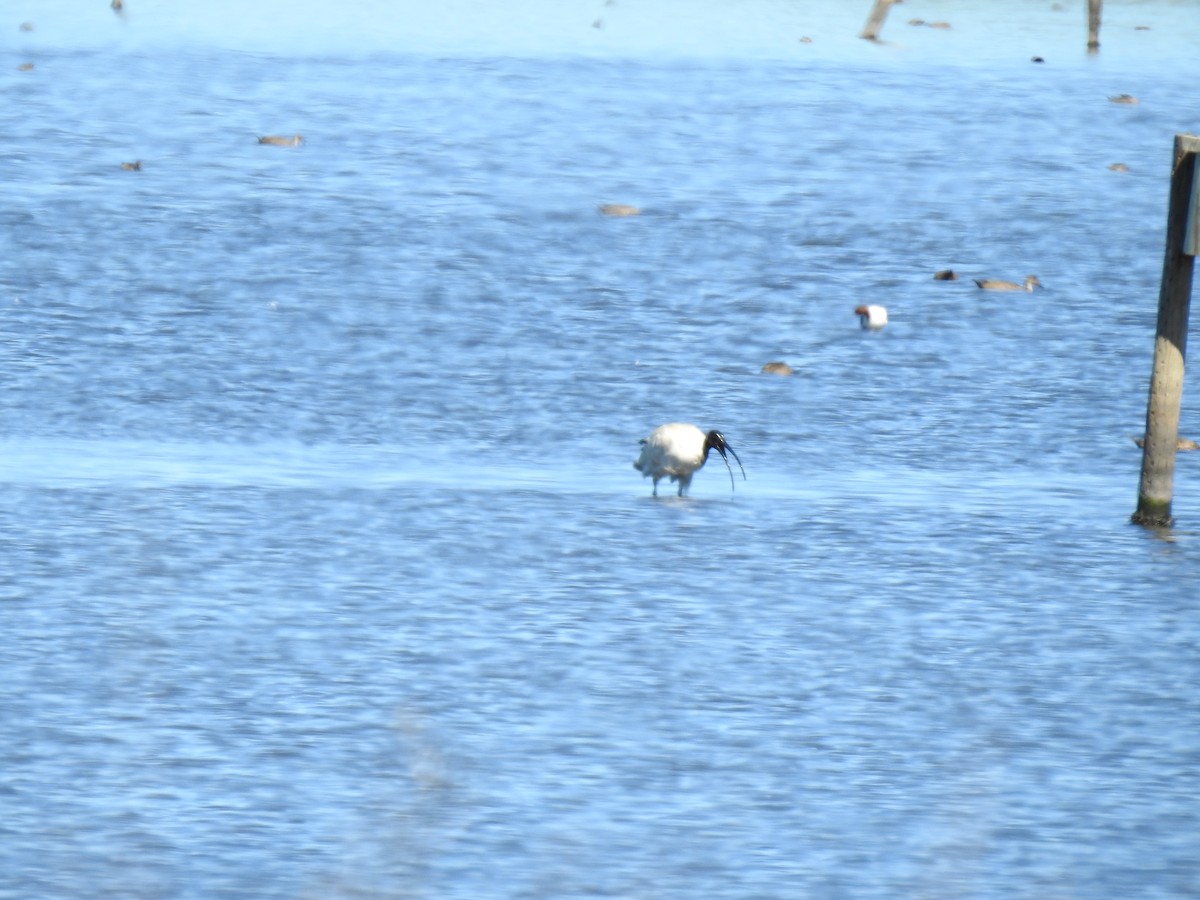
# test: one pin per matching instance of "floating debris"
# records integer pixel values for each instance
(776, 367)
(276, 140)
(1118, 167)
(1127, 99)
(619, 209)
(135, 166)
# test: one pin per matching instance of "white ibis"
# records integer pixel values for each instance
(995, 284)
(872, 317)
(677, 450)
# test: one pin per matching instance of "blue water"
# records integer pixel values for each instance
(325, 571)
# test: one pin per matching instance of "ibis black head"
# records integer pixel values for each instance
(714, 440)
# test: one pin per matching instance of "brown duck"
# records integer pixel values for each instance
(995, 284)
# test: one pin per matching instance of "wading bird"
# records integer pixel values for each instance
(677, 450)
(872, 317)
(995, 284)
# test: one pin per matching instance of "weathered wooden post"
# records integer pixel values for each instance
(1094, 25)
(1170, 343)
(879, 12)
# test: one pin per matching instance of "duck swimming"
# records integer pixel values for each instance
(996, 284)
(871, 318)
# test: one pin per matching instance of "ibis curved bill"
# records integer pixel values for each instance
(677, 450)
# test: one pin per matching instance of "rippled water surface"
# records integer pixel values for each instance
(324, 571)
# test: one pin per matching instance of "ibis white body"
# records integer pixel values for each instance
(871, 317)
(677, 450)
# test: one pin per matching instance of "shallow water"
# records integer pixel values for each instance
(325, 571)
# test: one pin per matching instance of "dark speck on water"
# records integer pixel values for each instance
(325, 572)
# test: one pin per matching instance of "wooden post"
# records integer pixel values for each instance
(879, 12)
(1170, 344)
(1094, 25)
